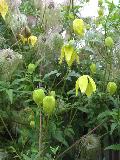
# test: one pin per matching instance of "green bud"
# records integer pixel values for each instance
(48, 105)
(100, 2)
(38, 96)
(100, 11)
(32, 124)
(31, 117)
(52, 93)
(31, 68)
(109, 42)
(79, 27)
(93, 68)
(111, 87)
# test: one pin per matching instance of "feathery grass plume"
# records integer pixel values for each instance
(90, 147)
(9, 61)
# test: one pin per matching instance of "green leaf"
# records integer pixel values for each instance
(115, 147)
(104, 115)
(10, 95)
(113, 127)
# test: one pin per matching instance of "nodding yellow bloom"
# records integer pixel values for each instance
(86, 85)
(32, 40)
(79, 27)
(3, 8)
(24, 40)
(69, 54)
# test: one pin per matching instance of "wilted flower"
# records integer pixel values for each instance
(3, 8)
(86, 85)
(68, 52)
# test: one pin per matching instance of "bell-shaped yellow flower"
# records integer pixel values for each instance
(69, 54)
(23, 39)
(32, 40)
(3, 8)
(79, 27)
(86, 85)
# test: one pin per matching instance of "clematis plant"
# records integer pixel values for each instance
(86, 84)
(3, 8)
(69, 54)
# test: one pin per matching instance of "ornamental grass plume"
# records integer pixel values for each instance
(9, 61)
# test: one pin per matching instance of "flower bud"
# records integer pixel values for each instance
(100, 11)
(48, 105)
(100, 2)
(111, 87)
(31, 68)
(79, 27)
(38, 96)
(109, 42)
(52, 93)
(93, 68)
(32, 124)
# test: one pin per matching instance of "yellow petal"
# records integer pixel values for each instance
(32, 40)
(62, 55)
(83, 83)
(89, 90)
(77, 87)
(92, 83)
(3, 8)
(24, 40)
(68, 52)
(70, 62)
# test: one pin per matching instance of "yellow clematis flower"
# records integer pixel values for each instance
(24, 40)
(79, 27)
(86, 85)
(3, 8)
(32, 40)
(69, 54)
